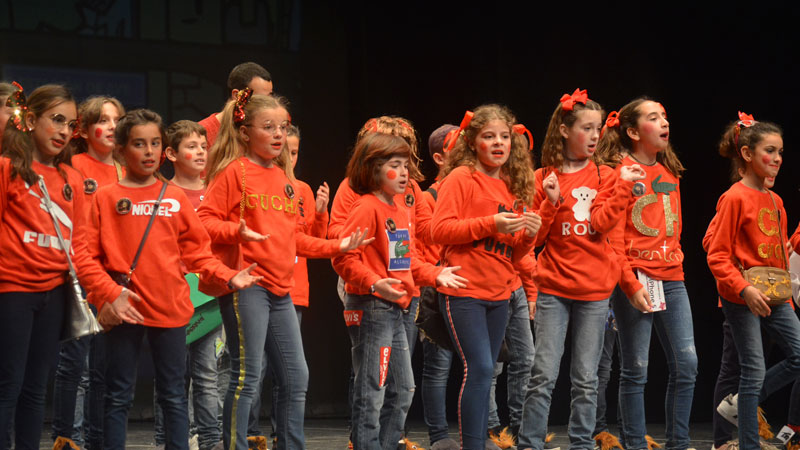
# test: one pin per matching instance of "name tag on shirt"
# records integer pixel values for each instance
(655, 289)
(399, 250)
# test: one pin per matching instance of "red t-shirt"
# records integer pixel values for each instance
(746, 232)
(577, 261)
(32, 259)
(313, 224)
(463, 224)
(112, 238)
(392, 255)
(268, 209)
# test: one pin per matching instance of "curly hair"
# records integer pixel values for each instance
(615, 142)
(517, 172)
(401, 127)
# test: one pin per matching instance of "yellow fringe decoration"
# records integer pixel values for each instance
(549, 437)
(764, 430)
(651, 443)
(607, 441)
(503, 440)
(64, 443)
(792, 445)
(411, 445)
(257, 442)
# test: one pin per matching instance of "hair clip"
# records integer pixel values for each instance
(745, 120)
(464, 124)
(242, 97)
(568, 101)
(19, 106)
(521, 130)
(76, 133)
(613, 119)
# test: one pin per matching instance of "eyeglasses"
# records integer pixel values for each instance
(59, 121)
(271, 128)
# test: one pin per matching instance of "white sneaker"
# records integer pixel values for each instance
(729, 408)
(194, 442)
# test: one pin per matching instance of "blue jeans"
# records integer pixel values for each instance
(727, 383)
(81, 366)
(604, 372)
(256, 322)
(168, 349)
(476, 328)
(435, 371)
(519, 340)
(676, 333)
(383, 386)
(29, 334)
(204, 409)
(757, 383)
(553, 316)
(255, 410)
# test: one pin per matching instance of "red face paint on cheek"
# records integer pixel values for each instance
(98, 132)
(391, 174)
(484, 146)
(766, 159)
(187, 156)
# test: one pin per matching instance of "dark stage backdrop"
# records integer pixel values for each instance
(340, 63)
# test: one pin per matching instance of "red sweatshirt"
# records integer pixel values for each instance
(392, 255)
(747, 232)
(312, 224)
(577, 261)
(650, 235)
(211, 124)
(795, 239)
(95, 174)
(463, 224)
(269, 209)
(32, 259)
(113, 236)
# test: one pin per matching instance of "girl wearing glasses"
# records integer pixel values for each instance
(33, 288)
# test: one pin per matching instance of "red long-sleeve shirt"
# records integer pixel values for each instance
(577, 261)
(111, 240)
(313, 224)
(211, 124)
(463, 223)
(392, 255)
(32, 259)
(95, 174)
(747, 232)
(268, 209)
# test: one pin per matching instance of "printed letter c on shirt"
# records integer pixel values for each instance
(353, 317)
(773, 215)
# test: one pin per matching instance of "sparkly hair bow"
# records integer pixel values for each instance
(19, 106)
(242, 97)
(522, 130)
(464, 124)
(568, 101)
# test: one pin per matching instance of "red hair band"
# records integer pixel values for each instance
(371, 125)
(450, 138)
(242, 97)
(19, 106)
(464, 124)
(521, 130)
(612, 121)
(568, 101)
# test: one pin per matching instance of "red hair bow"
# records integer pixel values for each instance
(613, 119)
(464, 124)
(521, 130)
(19, 106)
(745, 120)
(242, 97)
(450, 138)
(568, 101)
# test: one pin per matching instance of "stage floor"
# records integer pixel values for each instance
(331, 434)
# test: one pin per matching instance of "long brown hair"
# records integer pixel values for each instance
(89, 113)
(403, 128)
(370, 153)
(126, 123)
(517, 172)
(730, 145)
(230, 145)
(19, 146)
(554, 143)
(615, 142)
